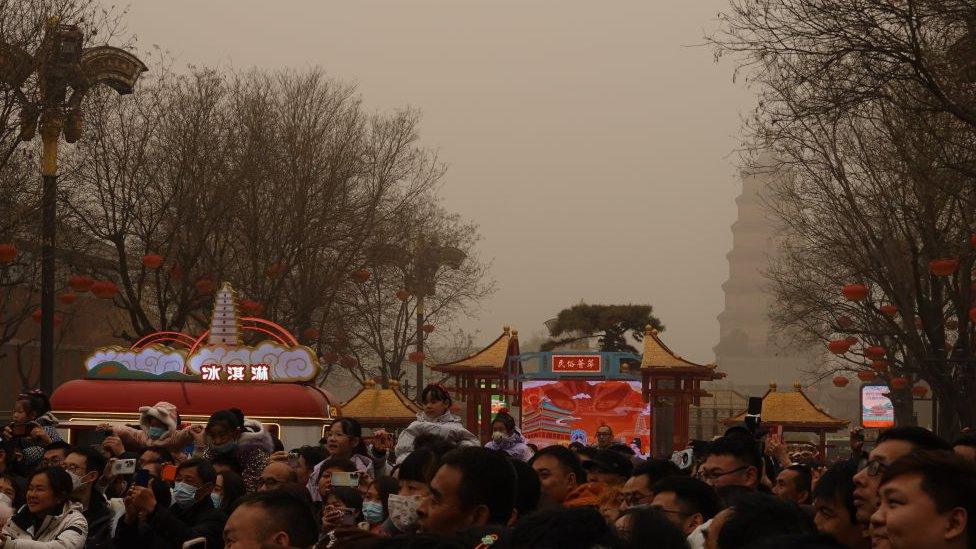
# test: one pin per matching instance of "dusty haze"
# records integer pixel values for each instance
(589, 140)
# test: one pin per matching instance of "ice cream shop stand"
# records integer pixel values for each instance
(272, 381)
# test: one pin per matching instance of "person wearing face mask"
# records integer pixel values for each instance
(85, 465)
(192, 514)
(228, 434)
(159, 428)
(376, 502)
(505, 437)
(50, 520)
(435, 419)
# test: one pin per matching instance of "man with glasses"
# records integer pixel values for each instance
(687, 502)
(85, 465)
(54, 454)
(275, 475)
(892, 444)
(604, 437)
(637, 489)
(733, 460)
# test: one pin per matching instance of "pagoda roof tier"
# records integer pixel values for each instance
(794, 411)
(490, 360)
(374, 404)
(657, 356)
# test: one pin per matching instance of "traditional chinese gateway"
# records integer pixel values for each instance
(271, 382)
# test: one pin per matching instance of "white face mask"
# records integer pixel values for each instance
(498, 436)
(403, 511)
(5, 500)
(76, 481)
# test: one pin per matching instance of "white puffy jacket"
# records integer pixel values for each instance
(67, 530)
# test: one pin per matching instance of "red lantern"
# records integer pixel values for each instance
(428, 328)
(403, 295)
(152, 261)
(889, 309)
(875, 352)
(943, 267)
(844, 321)
(310, 334)
(851, 340)
(838, 346)
(204, 286)
(252, 307)
(360, 276)
(879, 364)
(80, 283)
(855, 292)
(104, 289)
(899, 382)
(330, 357)
(841, 381)
(417, 357)
(866, 375)
(919, 391)
(348, 361)
(67, 298)
(36, 317)
(8, 252)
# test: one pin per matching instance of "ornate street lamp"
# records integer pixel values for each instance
(419, 267)
(61, 63)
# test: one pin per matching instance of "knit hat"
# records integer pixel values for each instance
(163, 411)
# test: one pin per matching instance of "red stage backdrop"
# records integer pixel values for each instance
(560, 411)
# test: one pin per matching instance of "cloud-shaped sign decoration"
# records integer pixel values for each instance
(285, 363)
(155, 359)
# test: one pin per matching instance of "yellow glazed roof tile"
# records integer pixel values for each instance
(793, 408)
(375, 402)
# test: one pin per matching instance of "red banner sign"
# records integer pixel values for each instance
(576, 363)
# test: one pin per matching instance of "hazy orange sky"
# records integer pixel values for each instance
(591, 141)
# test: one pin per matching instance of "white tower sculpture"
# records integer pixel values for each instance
(225, 324)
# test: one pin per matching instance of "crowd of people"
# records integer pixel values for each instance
(165, 484)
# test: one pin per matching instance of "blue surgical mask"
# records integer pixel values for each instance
(373, 511)
(217, 499)
(156, 432)
(225, 448)
(184, 494)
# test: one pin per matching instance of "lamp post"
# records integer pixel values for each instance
(60, 63)
(420, 267)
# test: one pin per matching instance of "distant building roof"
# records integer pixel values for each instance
(794, 411)
(658, 355)
(375, 404)
(491, 359)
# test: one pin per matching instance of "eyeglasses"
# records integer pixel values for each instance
(51, 462)
(874, 468)
(712, 475)
(670, 511)
(634, 498)
(73, 468)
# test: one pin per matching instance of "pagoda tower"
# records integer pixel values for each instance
(225, 325)
(747, 350)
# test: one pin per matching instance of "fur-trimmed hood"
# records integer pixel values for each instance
(164, 412)
(254, 435)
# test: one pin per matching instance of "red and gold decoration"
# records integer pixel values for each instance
(855, 292)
